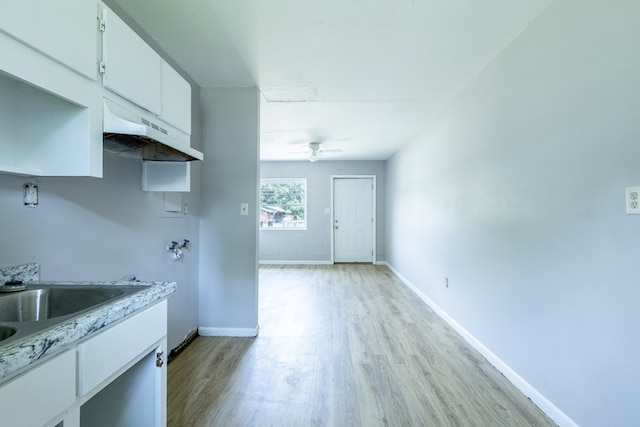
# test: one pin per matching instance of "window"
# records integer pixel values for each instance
(283, 204)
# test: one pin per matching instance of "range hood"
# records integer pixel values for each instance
(130, 134)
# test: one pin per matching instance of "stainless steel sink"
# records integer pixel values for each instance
(6, 332)
(43, 306)
(34, 305)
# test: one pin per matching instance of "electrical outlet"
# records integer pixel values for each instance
(633, 200)
(30, 194)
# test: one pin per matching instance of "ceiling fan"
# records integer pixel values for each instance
(315, 152)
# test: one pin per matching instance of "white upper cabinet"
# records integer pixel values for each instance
(63, 30)
(176, 99)
(51, 96)
(132, 69)
(50, 112)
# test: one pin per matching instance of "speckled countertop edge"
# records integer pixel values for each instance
(19, 354)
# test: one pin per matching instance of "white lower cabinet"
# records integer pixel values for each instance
(105, 355)
(122, 375)
(41, 394)
(134, 398)
(116, 378)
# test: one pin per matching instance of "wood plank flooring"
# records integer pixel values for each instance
(342, 345)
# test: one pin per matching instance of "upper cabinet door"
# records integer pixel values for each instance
(132, 68)
(62, 30)
(176, 99)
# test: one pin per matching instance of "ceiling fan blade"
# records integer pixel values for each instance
(314, 151)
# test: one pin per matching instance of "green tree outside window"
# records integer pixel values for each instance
(283, 204)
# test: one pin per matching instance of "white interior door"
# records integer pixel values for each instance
(353, 220)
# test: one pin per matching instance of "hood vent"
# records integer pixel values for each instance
(130, 135)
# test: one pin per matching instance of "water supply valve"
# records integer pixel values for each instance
(176, 248)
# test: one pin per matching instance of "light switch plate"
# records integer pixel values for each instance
(244, 208)
(633, 200)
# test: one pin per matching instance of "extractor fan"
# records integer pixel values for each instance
(315, 152)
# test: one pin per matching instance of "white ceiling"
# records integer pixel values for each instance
(359, 75)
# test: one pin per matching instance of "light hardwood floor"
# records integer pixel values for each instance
(342, 345)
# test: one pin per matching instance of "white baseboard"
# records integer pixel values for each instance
(208, 331)
(290, 262)
(295, 262)
(527, 389)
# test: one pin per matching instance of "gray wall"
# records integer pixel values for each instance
(314, 244)
(515, 192)
(103, 229)
(229, 241)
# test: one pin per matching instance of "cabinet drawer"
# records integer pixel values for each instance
(114, 349)
(41, 394)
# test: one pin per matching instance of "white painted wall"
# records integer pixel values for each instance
(314, 244)
(515, 192)
(228, 302)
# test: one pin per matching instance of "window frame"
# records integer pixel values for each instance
(302, 181)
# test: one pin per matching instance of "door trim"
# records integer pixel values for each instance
(373, 208)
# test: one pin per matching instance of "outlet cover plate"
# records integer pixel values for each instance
(30, 194)
(633, 200)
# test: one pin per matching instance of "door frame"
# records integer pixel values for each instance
(373, 208)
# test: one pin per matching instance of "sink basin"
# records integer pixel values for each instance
(44, 303)
(6, 332)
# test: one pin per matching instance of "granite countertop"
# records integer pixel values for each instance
(16, 355)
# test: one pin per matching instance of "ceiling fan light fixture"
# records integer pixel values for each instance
(313, 157)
